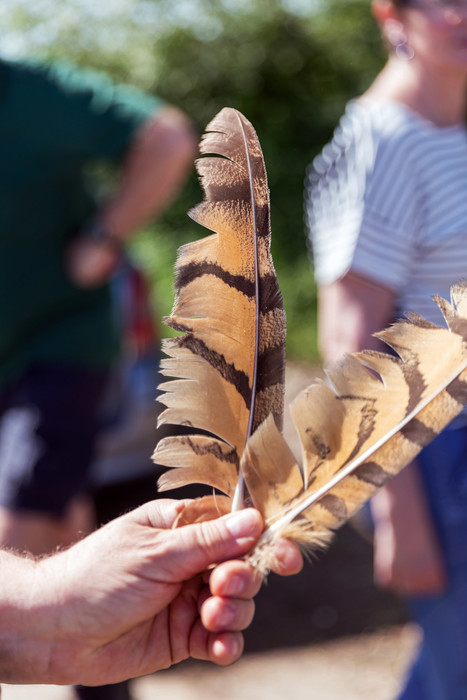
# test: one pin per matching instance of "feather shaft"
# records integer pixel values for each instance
(238, 499)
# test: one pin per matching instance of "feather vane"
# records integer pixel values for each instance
(357, 430)
(229, 365)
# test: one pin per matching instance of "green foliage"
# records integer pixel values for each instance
(289, 76)
(289, 73)
(299, 294)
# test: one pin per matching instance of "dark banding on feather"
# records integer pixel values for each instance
(372, 473)
(211, 447)
(457, 389)
(270, 296)
(335, 505)
(226, 369)
(458, 325)
(188, 273)
(271, 367)
(417, 432)
(414, 379)
(177, 326)
(215, 191)
(366, 425)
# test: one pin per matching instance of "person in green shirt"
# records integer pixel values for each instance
(58, 250)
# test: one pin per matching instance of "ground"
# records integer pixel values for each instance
(327, 632)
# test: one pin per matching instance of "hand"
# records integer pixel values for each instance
(132, 599)
(408, 559)
(90, 263)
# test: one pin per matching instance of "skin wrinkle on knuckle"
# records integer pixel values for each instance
(166, 548)
(208, 537)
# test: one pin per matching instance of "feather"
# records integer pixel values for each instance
(229, 365)
(357, 430)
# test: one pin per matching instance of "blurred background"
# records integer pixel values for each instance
(290, 66)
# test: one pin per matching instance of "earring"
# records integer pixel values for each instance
(398, 39)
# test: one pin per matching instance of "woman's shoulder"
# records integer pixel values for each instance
(393, 121)
(385, 121)
(368, 131)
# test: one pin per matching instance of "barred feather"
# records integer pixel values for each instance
(230, 362)
(360, 429)
(357, 431)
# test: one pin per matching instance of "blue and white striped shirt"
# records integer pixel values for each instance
(387, 198)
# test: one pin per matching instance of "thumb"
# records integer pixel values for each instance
(193, 548)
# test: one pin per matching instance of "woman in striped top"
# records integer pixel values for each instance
(387, 215)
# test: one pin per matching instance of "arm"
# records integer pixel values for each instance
(408, 558)
(154, 170)
(131, 599)
(407, 555)
(350, 310)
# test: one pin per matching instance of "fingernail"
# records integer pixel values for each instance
(234, 586)
(243, 524)
(227, 648)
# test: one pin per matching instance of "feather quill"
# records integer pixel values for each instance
(357, 430)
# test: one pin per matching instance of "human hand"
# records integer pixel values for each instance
(408, 559)
(132, 598)
(91, 262)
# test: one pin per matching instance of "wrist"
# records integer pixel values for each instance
(27, 621)
(99, 232)
(93, 256)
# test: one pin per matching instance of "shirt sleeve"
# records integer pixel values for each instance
(82, 113)
(361, 204)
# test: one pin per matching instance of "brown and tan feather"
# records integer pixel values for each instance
(357, 430)
(228, 368)
(345, 427)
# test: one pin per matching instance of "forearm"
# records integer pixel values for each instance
(155, 169)
(408, 556)
(351, 310)
(25, 621)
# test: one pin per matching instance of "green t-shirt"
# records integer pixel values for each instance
(54, 121)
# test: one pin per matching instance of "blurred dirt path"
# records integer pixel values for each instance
(367, 667)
